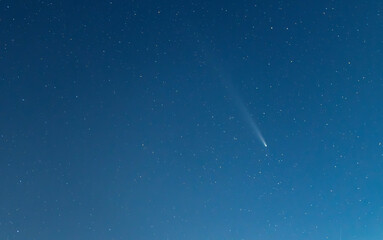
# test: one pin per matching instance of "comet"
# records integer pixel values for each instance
(248, 118)
(242, 107)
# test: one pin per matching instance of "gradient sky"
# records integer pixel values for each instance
(119, 120)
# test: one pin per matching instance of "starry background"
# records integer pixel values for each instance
(117, 122)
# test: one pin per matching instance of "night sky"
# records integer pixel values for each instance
(145, 120)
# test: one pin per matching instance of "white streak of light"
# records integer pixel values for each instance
(250, 121)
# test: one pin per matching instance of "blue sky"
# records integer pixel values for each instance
(135, 120)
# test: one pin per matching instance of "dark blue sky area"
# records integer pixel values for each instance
(142, 120)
